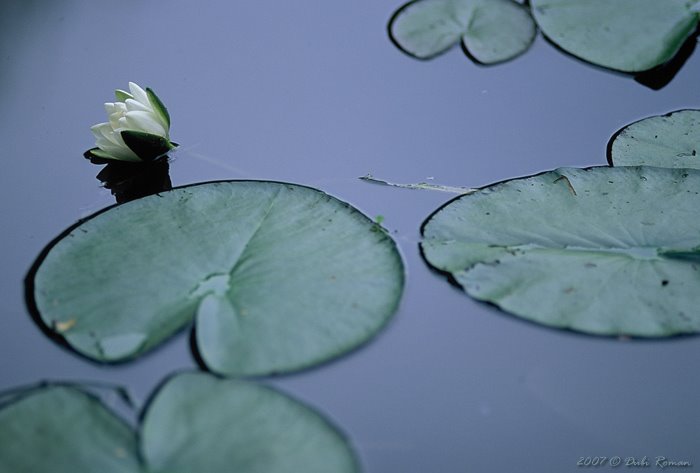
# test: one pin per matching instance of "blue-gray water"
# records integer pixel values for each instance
(313, 92)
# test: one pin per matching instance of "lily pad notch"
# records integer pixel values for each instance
(193, 422)
(277, 277)
(649, 39)
(489, 31)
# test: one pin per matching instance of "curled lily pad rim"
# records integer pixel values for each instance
(682, 50)
(611, 141)
(393, 40)
(55, 336)
(510, 316)
(461, 43)
(655, 78)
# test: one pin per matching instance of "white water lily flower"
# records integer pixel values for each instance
(137, 130)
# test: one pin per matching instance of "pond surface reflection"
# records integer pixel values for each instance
(315, 93)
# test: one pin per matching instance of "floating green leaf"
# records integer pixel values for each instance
(280, 277)
(61, 429)
(238, 427)
(608, 251)
(195, 422)
(671, 140)
(491, 31)
(625, 35)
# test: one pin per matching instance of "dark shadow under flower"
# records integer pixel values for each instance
(129, 181)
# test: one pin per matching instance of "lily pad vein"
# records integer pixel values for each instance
(266, 214)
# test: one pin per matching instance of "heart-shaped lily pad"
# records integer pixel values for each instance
(625, 35)
(607, 251)
(671, 141)
(490, 31)
(279, 277)
(194, 423)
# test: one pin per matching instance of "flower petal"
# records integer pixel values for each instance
(112, 143)
(122, 95)
(117, 111)
(144, 121)
(104, 131)
(118, 152)
(96, 129)
(134, 105)
(139, 94)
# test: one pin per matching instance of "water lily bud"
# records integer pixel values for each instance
(138, 129)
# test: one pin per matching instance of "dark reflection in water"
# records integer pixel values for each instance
(659, 77)
(129, 181)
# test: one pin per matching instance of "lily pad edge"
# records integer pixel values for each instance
(48, 331)
(611, 141)
(497, 309)
(461, 43)
(17, 394)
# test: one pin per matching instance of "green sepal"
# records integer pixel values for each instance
(98, 156)
(147, 146)
(122, 95)
(158, 105)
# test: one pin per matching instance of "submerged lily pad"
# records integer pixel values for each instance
(195, 422)
(279, 277)
(671, 141)
(607, 251)
(625, 35)
(490, 31)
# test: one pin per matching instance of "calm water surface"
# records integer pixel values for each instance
(313, 92)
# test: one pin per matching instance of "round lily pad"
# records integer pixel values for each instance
(671, 140)
(625, 35)
(195, 422)
(279, 277)
(201, 423)
(61, 429)
(606, 251)
(490, 31)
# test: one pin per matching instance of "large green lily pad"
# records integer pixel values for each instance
(279, 277)
(671, 140)
(490, 31)
(625, 35)
(607, 251)
(195, 423)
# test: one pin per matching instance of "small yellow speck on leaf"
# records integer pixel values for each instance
(64, 326)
